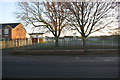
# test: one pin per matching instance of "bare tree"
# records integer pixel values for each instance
(88, 17)
(115, 31)
(51, 14)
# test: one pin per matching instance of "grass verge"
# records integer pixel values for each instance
(66, 52)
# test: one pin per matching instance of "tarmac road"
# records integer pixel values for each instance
(59, 67)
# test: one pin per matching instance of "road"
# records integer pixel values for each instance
(59, 67)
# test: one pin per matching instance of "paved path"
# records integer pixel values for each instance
(72, 50)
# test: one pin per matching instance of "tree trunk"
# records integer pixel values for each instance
(56, 42)
(84, 44)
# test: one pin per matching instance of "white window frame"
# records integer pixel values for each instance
(6, 35)
(6, 31)
(0, 31)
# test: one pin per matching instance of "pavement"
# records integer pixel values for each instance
(70, 50)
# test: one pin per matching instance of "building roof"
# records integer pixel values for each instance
(13, 25)
(36, 33)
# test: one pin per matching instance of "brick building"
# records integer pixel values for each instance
(12, 31)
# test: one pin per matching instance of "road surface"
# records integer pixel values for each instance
(59, 67)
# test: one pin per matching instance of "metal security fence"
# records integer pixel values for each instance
(77, 43)
(71, 43)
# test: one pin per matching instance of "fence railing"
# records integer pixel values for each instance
(69, 42)
(77, 43)
(15, 43)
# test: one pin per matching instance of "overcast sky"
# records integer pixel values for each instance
(7, 10)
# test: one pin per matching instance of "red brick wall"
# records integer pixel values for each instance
(19, 32)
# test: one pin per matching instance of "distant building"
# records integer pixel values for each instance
(28, 36)
(67, 38)
(111, 37)
(10, 31)
(93, 38)
(37, 37)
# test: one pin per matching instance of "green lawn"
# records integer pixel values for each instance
(66, 53)
(103, 41)
(74, 47)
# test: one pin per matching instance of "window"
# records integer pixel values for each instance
(6, 31)
(6, 35)
(0, 31)
(0, 34)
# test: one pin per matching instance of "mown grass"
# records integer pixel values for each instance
(102, 41)
(66, 53)
(74, 47)
(64, 47)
